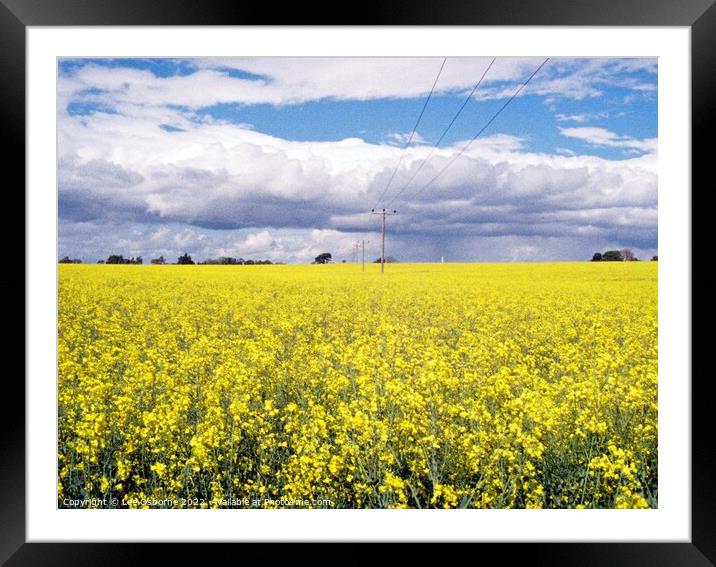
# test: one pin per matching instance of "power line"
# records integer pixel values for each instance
(440, 139)
(402, 155)
(490, 121)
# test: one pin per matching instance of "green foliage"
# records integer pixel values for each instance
(612, 256)
(185, 259)
(119, 259)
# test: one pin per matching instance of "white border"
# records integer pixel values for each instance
(670, 522)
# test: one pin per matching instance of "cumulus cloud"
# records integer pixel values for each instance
(152, 178)
(225, 177)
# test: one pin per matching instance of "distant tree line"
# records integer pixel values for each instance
(119, 259)
(68, 260)
(625, 255)
(184, 259)
(326, 258)
(229, 261)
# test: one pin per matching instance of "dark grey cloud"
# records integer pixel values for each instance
(214, 178)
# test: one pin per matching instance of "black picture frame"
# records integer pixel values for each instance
(699, 15)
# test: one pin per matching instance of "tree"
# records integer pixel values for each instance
(628, 255)
(612, 256)
(323, 258)
(388, 260)
(116, 259)
(597, 257)
(654, 258)
(223, 260)
(185, 259)
(159, 260)
(68, 260)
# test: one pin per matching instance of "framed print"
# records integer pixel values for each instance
(389, 282)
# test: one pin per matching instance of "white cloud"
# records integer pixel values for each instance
(213, 188)
(404, 137)
(605, 138)
(584, 117)
(282, 81)
(95, 241)
(219, 176)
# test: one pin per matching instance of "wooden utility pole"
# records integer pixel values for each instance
(383, 214)
(363, 252)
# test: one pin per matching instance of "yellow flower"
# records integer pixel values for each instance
(481, 385)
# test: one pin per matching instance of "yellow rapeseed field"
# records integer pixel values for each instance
(433, 385)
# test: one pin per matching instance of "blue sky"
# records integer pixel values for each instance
(283, 157)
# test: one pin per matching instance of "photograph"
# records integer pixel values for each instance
(367, 282)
